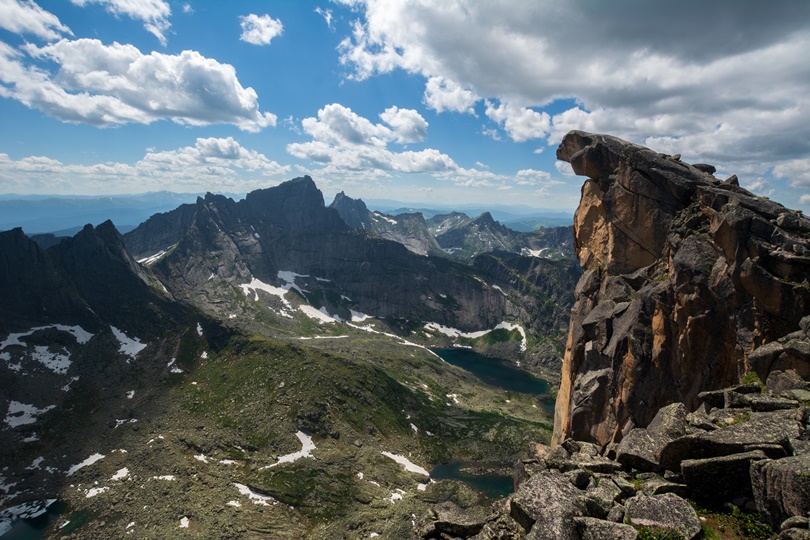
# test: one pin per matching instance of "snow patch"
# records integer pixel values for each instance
(28, 510)
(386, 218)
(454, 397)
(358, 317)
(20, 414)
(204, 355)
(152, 259)
(257, 498)
(131, 394)
(199, 330)
(89, 461)
(166, 477)
(92, 492)
(201, 457)
(405, 462)
(307, 446)
(81, 335)
(456, 333)
(318, 314)
(184, 522)
(129, 346)
(172, 367)
(56, 362)
(120, 474)
(256, 285)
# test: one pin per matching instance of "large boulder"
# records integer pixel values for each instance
(597, 529)
(667, 511)
(782, 487)
(767, 431)
(640, 448)
(716, 480)
(545, 506)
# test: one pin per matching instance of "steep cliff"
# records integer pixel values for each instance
(689, 282)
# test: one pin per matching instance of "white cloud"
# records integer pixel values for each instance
(445, 95)
(153, 13)
(795, 171)
(109, 85)
(345, 141)
(520, 123)
(564, 168)
(260, 30)
(326, 14)
(26, 17)
(188, 9)
(210, 164)
(408, 125)
(723, 82)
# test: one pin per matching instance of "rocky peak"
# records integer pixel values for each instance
(687, 278)
(352, 211)
(294, 205)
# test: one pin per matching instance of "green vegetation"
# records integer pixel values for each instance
(652, 533)
(752, 377)
(733, 523)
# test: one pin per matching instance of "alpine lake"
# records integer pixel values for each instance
(501, 374)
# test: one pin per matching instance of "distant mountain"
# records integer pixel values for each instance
(286, 237)
(409, 230)
(520, 218)
(464, 238)
(66, 215)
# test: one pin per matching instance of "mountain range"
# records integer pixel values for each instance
(273, 367)
(229, 332)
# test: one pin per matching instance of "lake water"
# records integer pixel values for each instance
(493, 486)
(499, 373)
(34, 529)
(494, 371)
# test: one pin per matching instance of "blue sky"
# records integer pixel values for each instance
(450, 101)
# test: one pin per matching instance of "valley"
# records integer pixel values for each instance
(262, 371)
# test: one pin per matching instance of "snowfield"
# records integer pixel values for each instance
(307, 446)
(128, 346)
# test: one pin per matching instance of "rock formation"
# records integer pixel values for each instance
(690, 283)
(745, 446)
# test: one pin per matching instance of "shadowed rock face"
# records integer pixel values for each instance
(685, 277)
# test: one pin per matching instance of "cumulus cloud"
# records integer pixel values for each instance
(211, 163)
(445, 95)
(26, 17)
(106, 85)
(153, 13)
(796, 171)
(260, 29)
(725, 81)
(520, 123)
(408, 125)
(344, 140)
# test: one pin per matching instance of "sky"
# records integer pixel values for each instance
(446, 101)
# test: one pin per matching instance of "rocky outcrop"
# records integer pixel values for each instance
(718, 456)
(690, 282)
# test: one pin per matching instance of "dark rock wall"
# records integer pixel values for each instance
(685, 276)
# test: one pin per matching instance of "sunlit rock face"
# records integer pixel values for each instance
(687, 277)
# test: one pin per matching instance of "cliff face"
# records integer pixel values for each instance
(689, 282)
